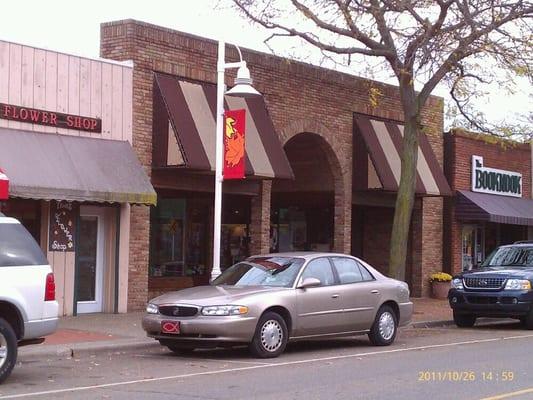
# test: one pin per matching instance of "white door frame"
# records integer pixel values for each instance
(96, 305)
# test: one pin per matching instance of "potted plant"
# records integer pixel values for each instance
(440, 284)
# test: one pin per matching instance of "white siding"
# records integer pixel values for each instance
(52, 81)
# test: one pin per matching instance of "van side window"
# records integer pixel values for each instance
(18, 247)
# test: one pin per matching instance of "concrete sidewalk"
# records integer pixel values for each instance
(115, 333)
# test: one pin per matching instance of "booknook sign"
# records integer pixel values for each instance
(495, 181)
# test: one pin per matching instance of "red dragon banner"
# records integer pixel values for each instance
(234, 130)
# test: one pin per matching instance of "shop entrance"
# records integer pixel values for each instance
(302, 210)
(90, 269)
(473, 246)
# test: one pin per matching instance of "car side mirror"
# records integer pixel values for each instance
(309, 282)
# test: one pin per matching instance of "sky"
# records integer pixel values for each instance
(73, 26)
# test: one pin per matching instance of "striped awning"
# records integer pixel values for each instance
(191, 109)
(383, 141)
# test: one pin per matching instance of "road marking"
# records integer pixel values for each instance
(241, 369)
(510, 394)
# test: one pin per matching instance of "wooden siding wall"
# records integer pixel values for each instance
(52, 81)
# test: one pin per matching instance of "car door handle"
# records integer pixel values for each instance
(334, 296)
(374, 291)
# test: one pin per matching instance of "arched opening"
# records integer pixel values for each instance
(303, 210)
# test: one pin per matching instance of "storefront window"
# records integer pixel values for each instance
(301, 229)
(234, 236)
(473, 246)
(28, 212)
(166, 239)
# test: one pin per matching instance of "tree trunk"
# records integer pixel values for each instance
(406, 193)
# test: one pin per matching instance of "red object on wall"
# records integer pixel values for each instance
(234, 148)
(4, 186)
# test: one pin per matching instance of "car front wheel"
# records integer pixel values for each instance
(271, 336)
(8, 349)
(384, 328)
(464, 320)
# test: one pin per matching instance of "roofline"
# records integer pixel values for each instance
(126, 64)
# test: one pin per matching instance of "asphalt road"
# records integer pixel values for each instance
(485, 362)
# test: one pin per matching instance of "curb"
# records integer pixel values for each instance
(84, 349)
(432, 324)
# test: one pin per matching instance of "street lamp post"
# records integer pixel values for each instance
(243, 88)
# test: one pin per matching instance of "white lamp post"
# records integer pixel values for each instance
(243, 88)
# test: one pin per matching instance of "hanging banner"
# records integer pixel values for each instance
(234, 128)
(4, 186)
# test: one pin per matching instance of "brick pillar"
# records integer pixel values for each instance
(139, 249)
(260, 220)
(427, 240)
(342, 239)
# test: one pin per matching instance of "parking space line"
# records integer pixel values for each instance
(510, 394)
(268, 365)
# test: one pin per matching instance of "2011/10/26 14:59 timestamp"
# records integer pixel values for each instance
(465, 376)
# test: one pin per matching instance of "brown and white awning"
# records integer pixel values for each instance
(190, 131)
(383, 140)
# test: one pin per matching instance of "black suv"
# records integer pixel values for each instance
(500, 288)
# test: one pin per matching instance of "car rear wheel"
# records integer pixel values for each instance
(464, 320)
(384, 328)
(8, 349)
(271, 336)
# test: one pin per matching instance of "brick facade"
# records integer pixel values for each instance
(459, 149)
(302, 99)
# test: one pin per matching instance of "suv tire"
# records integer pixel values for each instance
(464, 320)
(527, 321)
(8, 349)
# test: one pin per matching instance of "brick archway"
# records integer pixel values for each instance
(339, 158)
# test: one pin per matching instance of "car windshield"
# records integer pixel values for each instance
(518, 256)
(265, 271)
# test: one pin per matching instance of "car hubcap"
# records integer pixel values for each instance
(3, 350)
(271, 335)
(386, 325)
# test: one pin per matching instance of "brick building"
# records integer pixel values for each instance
(341, 150)
(492, 205)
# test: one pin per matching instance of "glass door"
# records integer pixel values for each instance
(473, 246)
(89, 277)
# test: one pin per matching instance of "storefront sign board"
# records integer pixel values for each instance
(495, 181)
(50, 118)
(62, 226)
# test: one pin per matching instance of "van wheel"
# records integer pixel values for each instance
(271, 336)
(384, 328)
(8, 349)
(464, 320)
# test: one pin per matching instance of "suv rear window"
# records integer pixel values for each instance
(18, 247)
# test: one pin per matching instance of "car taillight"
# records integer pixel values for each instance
(50, 289)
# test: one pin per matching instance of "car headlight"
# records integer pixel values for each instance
(457, 283)
(518, 284)
(152, 309)
(224, 310)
